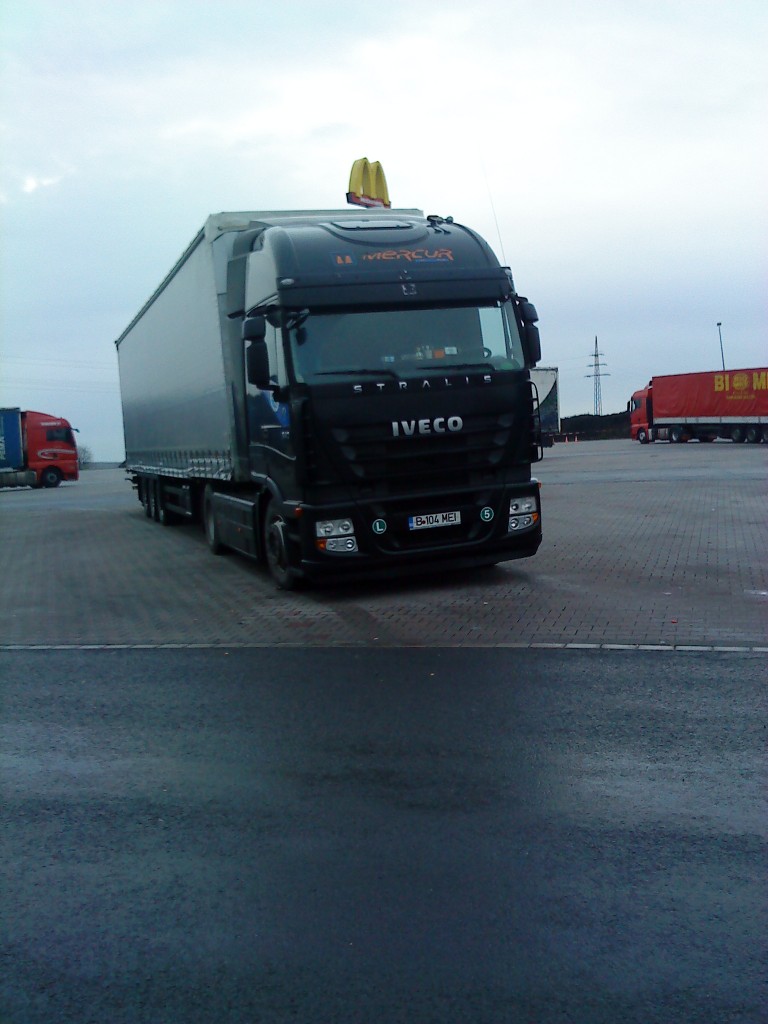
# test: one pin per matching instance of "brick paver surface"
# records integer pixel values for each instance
(658, 545)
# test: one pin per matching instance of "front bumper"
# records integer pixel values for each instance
(405, 536)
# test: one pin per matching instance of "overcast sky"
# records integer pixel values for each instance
(614, 154)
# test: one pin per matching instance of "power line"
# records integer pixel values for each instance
(596, 364)
(98, 387)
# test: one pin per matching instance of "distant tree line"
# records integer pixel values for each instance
(597, 428)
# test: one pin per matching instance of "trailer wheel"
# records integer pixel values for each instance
(50, 477)
(154, 490)
(162, 515)
(151, 501)
(276, 547)
(144, 496)
(737, 435)
(676, 435)
(209, 523)
(752, 435)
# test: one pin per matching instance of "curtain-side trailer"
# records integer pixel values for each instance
(702, 406)
(546, 379)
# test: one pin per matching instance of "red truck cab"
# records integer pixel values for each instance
(641, 415)
(36, 449)
(49, 443)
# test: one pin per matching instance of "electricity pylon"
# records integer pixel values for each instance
(596, 364)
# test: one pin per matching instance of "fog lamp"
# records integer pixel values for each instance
(334, 528)
(517, 523)
(341, 545)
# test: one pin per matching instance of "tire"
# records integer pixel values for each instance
(162, 515)
(157, 510)
(151, 498)
(737, 435)
(209, 523)
(144, 497)
(752, 435)
(642, 436)
(50, 477)
(275, 538)
(151, 501)
(676, 435)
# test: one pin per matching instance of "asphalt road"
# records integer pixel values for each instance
(340, 835)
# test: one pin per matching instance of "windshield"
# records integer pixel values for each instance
(406, 342)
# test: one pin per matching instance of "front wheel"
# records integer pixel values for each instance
(276, 547)
(50, 477)
(642, 436)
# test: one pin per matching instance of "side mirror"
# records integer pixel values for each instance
(527, 311)
(532, 343)
(257, 364)
(254, 328)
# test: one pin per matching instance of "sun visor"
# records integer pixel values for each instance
(398, 289)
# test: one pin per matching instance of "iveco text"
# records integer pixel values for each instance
(408, 428)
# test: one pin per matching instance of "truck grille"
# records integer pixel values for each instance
(363, 453)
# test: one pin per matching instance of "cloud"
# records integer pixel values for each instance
(32, 183)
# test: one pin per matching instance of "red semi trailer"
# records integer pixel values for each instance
(686, 406)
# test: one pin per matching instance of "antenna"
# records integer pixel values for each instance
(493, 211)
(596, 364)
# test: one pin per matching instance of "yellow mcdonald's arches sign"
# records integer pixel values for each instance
(367, 184)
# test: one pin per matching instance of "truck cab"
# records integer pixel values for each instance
(640, 408)
(389, 402)
(36, 449)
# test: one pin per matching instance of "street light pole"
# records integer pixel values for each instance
(719, 331)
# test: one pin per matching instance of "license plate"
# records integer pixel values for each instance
(433, 519)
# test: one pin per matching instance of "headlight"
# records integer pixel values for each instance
(519, 506)
(335, 536)
(334, 528)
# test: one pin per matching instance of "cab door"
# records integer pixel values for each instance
(270, 448)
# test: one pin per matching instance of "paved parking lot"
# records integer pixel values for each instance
(654, 546)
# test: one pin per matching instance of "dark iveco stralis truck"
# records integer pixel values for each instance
(339, 393)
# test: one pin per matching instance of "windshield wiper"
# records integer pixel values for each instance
(458, 366)
(365, 372)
